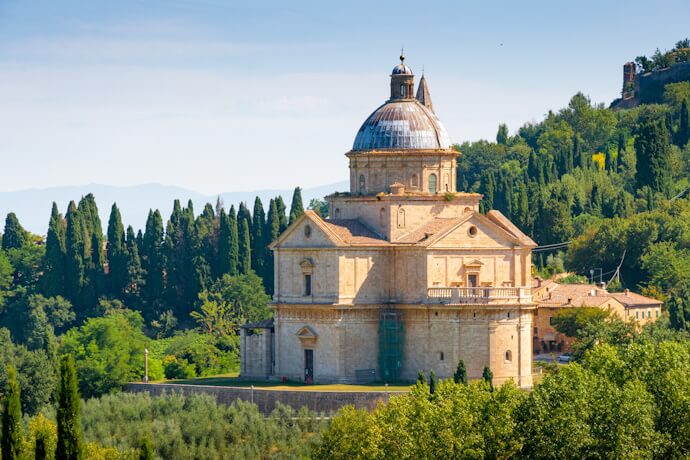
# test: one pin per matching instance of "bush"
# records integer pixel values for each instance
(205, 353)
(177, 368)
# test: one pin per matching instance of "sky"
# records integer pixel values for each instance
(219, 96)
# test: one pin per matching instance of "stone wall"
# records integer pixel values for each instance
(266, 399)
(652, 84)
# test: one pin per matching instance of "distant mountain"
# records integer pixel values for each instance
(33, 206)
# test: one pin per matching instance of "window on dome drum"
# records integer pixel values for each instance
(307, 284)
(432, 183)
(402, 90)
(362, 184)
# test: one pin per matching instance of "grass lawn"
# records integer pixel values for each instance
(231, 380)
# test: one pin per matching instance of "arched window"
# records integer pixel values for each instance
(362, 184)
(337, 213)
(401, 218)
(432, 183)
(402, 90)
(509, 356)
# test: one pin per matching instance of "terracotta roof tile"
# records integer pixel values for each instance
(631, 298)
(431, 228)
(352, 231)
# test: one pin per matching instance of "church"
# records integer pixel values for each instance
(406, 274)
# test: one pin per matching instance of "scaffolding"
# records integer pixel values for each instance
(391, 342)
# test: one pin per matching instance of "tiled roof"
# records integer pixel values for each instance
(589, 295)
(632, 299)
(352, 231)
(431, 228)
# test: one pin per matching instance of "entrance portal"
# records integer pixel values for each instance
(309, 366)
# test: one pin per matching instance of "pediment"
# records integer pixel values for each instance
(476, 232)
(307, 333)
(474, 263)
(308, 231)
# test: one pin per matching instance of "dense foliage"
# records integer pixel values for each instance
(630, 400)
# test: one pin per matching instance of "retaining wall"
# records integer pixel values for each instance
(266, 399)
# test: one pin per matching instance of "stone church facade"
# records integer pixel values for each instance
(405, 275)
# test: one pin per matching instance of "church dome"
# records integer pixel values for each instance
(402, 124)
(401, 69)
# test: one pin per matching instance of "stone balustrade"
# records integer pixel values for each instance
(478, 295)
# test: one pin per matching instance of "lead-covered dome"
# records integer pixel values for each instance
(402, 124)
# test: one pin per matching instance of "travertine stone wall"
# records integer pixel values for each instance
(382, 169)
(257, 354)
(325, 402)
(393, 217)
(436, 338)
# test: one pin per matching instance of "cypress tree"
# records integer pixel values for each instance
(91, 224)
(621, 149)
(94, 284)
(245, 256)
(272, 233)
(153, 259)
(173, 250)
(74, 244)
(653, 155)
(54, 260)
(296, 207)
(224, 243)
(135, 274)
(460, 375)
(69, 434)
(679, 313)
(140, 241)
(421, 378)
(502, 134)
(11, 417)
(117, 253)
(280, 204)
(206, 230)
(145, 449)
(684, 128)
(14, 235)
(40, 452)
(432, 382)
(489, 190)
(488, 377)
(234, 243)
(258, 240)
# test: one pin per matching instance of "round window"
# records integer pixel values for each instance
(307, 231)
(472, 231)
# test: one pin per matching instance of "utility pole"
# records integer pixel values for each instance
(146, 365)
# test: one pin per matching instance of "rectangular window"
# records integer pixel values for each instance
(637, 315)
(649, 313)
(657, 313)
(550, 320)
(441, 356)
(307, 284)
(472, 280)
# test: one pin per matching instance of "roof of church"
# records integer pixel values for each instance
(402, 124)
(401, 69)
(352, 231)
(423, 95)
(431, 228)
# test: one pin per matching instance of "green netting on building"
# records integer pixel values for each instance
(391, 342)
